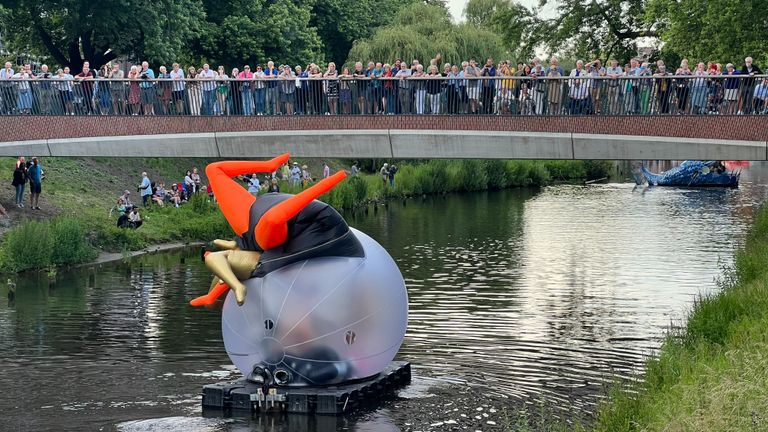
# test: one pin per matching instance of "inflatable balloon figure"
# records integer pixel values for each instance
(309, 300)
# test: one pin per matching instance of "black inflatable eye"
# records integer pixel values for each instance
(268, 324)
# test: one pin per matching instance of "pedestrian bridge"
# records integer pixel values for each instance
(618, 137)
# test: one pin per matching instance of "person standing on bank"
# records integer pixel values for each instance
(35, 175)
(145, 188)
(19, 180)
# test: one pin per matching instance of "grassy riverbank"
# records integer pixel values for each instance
(712, 374)
(77, 194)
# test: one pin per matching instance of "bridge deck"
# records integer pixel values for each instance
(400, 136)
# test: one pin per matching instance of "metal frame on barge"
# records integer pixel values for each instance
(248, 397)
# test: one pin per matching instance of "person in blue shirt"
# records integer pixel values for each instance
(35, 174)
(760, 100)
(145, 189)
(273, 91)
(147, 86)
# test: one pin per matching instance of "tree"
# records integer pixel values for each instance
(73, 31)
(508, 19)
(341, 22)
(591, 28)
(251, 31)
(712, 30)
(421, 31)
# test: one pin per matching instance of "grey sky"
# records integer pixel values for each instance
(457, 6)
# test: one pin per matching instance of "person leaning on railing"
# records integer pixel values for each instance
(7, 95)
(178, 88)
(63, 83)
(731, 89)
(579, 90)
(288, 89)
(613, 87)
(117, 89)
(554, 92)
(538, 89)
(222, 91)
(331, 87)
(345, 92)
(164, 88)
(147, 86)
(760, 99)
(45, 95)
(663, 85)
(24, 89)
(748, 84)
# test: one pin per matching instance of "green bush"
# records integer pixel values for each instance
(201, 204)
(112, 238)
(70, 241)
(28, 246)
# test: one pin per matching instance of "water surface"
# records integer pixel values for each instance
(517, 298)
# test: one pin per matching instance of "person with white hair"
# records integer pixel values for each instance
(145, 188)
(420, 88)
(748, 85)
(384, 171)
(579, 90)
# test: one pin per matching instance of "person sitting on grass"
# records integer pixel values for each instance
(126, 197)
(173, 195)
(134, 218)
(159, 195)
(118, 208)
(274, 187)
(121, 211)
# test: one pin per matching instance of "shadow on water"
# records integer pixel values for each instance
(518, 298)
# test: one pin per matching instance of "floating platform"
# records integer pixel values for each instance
(248, 397)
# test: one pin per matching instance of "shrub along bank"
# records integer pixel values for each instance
(85, 228)
(712, 374)
(444, 176)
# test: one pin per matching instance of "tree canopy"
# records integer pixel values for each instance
(421, 31)
(704, 30)
(228, 32)
(72, 31)
(714, 30)
(250, 31)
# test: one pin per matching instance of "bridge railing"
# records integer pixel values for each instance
(348, 95)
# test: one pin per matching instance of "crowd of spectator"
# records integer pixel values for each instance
(156, 193)
(506, 88)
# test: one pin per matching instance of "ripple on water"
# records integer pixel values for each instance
(515, 298)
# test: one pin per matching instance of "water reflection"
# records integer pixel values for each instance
(517, 297)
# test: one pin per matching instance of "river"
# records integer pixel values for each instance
(519, 299)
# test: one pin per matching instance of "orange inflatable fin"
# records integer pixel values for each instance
(211, 297)
(234, 201)
(272, 229)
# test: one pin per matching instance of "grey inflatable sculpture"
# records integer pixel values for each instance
(319, 321)
(309, 300)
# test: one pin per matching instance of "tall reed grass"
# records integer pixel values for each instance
(445, 176)
(37, 245)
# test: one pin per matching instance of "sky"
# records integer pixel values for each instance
(457, 7)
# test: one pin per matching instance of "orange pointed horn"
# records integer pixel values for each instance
(234, 201)
(272, 229)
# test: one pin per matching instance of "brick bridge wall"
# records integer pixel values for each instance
(749, 128)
